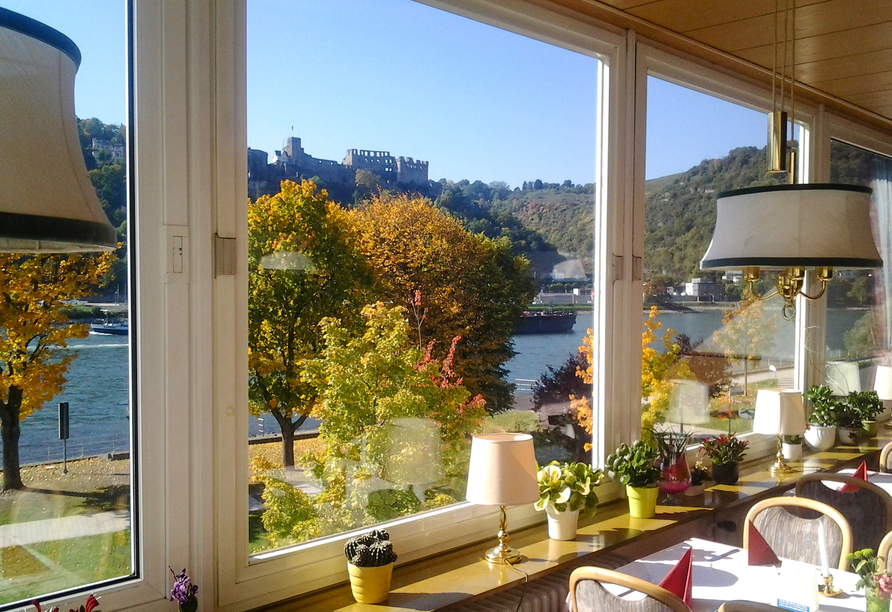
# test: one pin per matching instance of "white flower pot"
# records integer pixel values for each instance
(849, 435)
(819, 437)
(792, 452)
(561, 525)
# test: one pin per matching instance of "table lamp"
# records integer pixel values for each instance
(688, 403)
(502, 472)
(843, 377)
(779, 413)
(883, 382)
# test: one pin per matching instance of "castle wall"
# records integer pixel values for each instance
(411, 172)
(380, 163)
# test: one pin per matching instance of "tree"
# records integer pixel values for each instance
(746, 334)
(302, 269)
(33, 335)
(472, 286)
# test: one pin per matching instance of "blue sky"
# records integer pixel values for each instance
(474, 101)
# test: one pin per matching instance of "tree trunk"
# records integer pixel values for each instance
(288, 427)
(10, 432)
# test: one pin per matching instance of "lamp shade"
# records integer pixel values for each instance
(47, 202)
(883, 382)
(842, 377)
(793, 225)
(502, 470)
(688, 402)
(779, 413)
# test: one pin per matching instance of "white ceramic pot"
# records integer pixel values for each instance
(819, 437)
(849, 435)
(792, 452)
(561, 525)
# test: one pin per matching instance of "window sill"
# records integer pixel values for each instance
(461, 575)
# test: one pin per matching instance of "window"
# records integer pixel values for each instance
(67, 518)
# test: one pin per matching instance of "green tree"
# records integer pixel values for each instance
(34, 332)
(302, 269)
(746, 334)
(472, 286)
(368, 381)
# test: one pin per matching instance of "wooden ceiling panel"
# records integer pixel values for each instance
(686, 15)
(863, 65)
(881, 81)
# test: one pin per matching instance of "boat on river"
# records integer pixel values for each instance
(547, 322)
(111, 329)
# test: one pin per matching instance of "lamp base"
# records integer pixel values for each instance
(780, 466)
(503, 554)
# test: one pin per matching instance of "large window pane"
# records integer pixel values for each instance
(64, 339)
(397, 305)
(858, 304)
(698, 325)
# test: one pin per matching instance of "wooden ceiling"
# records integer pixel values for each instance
(843, 47)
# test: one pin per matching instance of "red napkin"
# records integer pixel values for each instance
(678, 580)
(759, 551)
(861, 473)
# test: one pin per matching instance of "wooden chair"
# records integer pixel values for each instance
(587, 594)
(747, 606)
(868, 509)
(883, 549)
(884, 457)
(791, 536)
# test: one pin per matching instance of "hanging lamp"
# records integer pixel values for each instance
(47, 203)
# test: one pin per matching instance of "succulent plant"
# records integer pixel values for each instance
(372, 549)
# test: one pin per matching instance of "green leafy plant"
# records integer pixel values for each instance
(671, 444)
(848, 416)
(567, 487)
(867, 565)
(372, 549)
(792, 439)
(635, 465)
(867, 403)
(825, 406)
(724, 449)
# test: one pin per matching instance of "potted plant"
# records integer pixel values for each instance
(635, 467)
(564, 490)
(370, 559)
(726, 452)
(791, 448)
(821, 432)
(848, 423)
(877, 584)
(675, 475)
(699, 477)
(869, 405)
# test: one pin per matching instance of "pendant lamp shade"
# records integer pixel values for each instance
(793, 225)
(47, 203)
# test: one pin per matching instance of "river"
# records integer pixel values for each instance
(98, 382)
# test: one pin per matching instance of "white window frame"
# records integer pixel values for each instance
(244, 583)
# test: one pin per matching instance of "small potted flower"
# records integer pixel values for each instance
(564, 490)
(791, 448)
(370, 559)
(699, 477)
(726, 452)
(877, 584)
(635, 466)
(869, 405)
(821, 432)
(183, 591)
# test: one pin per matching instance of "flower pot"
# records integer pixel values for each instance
(642, 501)
(792, 452)
(848, 435)
(820, 437)
(561, 525)
(695, 490)
(869, 428)
(725, 473)
(370, 584)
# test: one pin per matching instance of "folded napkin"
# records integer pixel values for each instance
(759, 551)
(678, 580)
(861, 473)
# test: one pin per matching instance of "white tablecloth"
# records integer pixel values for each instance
(721, 574)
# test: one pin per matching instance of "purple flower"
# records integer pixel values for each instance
(183, 591)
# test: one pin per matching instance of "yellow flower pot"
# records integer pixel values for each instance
(370, 584)
(642, 501)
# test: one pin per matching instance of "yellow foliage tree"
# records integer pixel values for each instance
(471, 286)
(33, 335)
(746, 334)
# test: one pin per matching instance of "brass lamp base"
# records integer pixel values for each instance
(503, 554)
(827, 589)
(780, 466)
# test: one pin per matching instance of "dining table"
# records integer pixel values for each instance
(722, 573)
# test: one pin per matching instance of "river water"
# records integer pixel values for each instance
(98, 379)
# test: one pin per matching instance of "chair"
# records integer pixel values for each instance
(884, 457)
(868, 510)
(587, 594)
(791, 536)
(747, 606)
(883, 549)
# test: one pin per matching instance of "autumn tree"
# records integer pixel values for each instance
(33, 335)
(302, 269)
(472, 286)
(746, 334)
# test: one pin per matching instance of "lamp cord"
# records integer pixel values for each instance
(523, 590)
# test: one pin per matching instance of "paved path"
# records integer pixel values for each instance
(47, 530)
